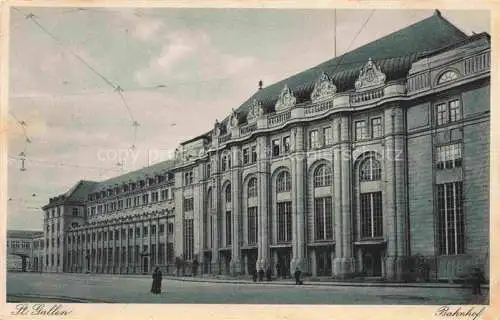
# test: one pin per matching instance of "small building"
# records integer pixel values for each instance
(24, 250)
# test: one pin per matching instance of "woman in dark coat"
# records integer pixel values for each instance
(156, 286)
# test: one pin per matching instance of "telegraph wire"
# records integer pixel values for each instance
(116, 88)
(63, 164)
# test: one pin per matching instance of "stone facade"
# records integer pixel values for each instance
(383, 180)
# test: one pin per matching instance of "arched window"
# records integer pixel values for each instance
(283, 182)
(447, 76)
(252, 188)
(322, 176)
(210, 203)
(370, 170)
(228, 193)
(224, 163)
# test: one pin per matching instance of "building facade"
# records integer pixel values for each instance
(24, 250)
(372, 164)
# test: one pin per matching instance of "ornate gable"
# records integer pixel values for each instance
(323, 88)
(370, 76)
(255, 110)
(286, 99)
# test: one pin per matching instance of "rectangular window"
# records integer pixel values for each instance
(162, 229)
(451, 235)
(228, 228)
(323, 226)
(441, 113)
(161, 253)
(153, 254)
(254, 154)
(246, 158)
(170, 228)
(154, 196)
(276, 148)
(449, 156)
(252, 225)
(145, 199)
(188, 204)
(284, 224)
(153, 230)
(145, 232)
(328, 135)
(371, 215)
(209, 173)
(455, 113)
(75, 211)
(286, 144)
(449, 111)
(188, 239)
(313, 139)
(376, 127)
(360, 128)
(170, 252)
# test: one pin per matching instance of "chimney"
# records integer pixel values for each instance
(260, 84)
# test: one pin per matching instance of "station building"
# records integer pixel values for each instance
(372, 164)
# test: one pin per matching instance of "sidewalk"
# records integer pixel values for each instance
(317, 282)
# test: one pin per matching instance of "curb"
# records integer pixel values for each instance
(327, 284)
(62, 299)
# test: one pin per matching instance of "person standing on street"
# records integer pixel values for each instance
(297, 276)
(157, 277)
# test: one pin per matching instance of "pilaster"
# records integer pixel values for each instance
(298, 216)
(235, 210)
(263, 202)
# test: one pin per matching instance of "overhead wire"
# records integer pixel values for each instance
(116, 88)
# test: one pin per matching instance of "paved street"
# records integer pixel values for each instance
(135, 289)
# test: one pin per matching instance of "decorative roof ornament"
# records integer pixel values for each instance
(286, 99)
(234, 119)
(370, 76)
(217, 128)
(323, 88)
(255, 110)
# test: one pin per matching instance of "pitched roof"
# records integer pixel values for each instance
(394, 53)
(156, 168)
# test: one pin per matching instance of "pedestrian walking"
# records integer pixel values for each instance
(157, 277)
(255, 275)
(297, 276)
(477, 278)
(278, 270)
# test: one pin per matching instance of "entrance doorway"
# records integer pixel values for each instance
(207, 262)
(284, 258)
(252, 261)
(36, 267)
(372, 262)
(323, 262)
(145, 264)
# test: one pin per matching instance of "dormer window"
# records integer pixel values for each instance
(447, 76)
(142, 183)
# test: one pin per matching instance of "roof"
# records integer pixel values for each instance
(157, 168)
(30, 234)
(394, 53)
(78, 193)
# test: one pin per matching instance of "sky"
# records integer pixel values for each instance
(179, 70)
